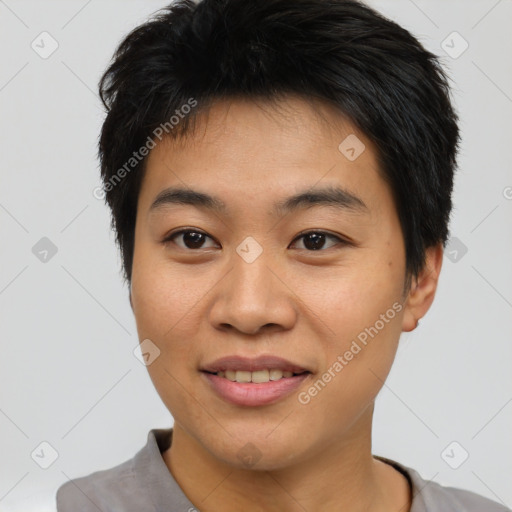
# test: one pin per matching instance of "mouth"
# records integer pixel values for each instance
(254, 381)
(258, 376)
(260, 369)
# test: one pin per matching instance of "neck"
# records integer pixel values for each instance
(344, 476)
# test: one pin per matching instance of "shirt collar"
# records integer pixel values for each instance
(165, 493)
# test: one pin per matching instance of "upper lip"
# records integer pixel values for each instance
(249, 364)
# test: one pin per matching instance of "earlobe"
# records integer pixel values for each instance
(423, 289)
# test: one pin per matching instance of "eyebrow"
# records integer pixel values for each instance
(325, 196)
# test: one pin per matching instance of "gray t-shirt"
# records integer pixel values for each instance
(145, 484)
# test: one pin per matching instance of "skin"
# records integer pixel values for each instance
(199, 304)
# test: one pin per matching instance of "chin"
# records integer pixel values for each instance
(256, 450)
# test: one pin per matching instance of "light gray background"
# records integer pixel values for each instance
(68, 373)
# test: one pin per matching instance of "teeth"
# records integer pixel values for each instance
(243, 376)
(258, 376)
(230, 375)
(275, 374)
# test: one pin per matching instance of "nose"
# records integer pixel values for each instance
(254, 297)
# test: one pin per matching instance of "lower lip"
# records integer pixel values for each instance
(251, 394)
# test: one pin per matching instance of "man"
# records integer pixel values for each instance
(280, 176)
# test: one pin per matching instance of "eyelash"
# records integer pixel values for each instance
(340, 241)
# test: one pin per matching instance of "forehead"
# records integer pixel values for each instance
(251, 149)
(257, 124)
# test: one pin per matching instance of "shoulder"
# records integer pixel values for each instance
(430, 496)
(460, 500)
(140, 483)
(107, 490)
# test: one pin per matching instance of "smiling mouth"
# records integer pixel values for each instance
(256, 377)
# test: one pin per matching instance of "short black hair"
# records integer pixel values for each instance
(373, 71)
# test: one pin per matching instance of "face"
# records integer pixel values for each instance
(316, 281)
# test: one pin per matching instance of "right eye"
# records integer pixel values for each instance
(190, 239)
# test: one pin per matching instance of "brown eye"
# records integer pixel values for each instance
(316, 240)
(190, 239)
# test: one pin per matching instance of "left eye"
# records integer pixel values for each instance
(315, 240)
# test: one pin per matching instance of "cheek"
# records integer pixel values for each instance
(163, 304)
(358, 358)
(361, 306)
(163, 295)
(351, 297)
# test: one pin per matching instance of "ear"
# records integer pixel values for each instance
(423, 289)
